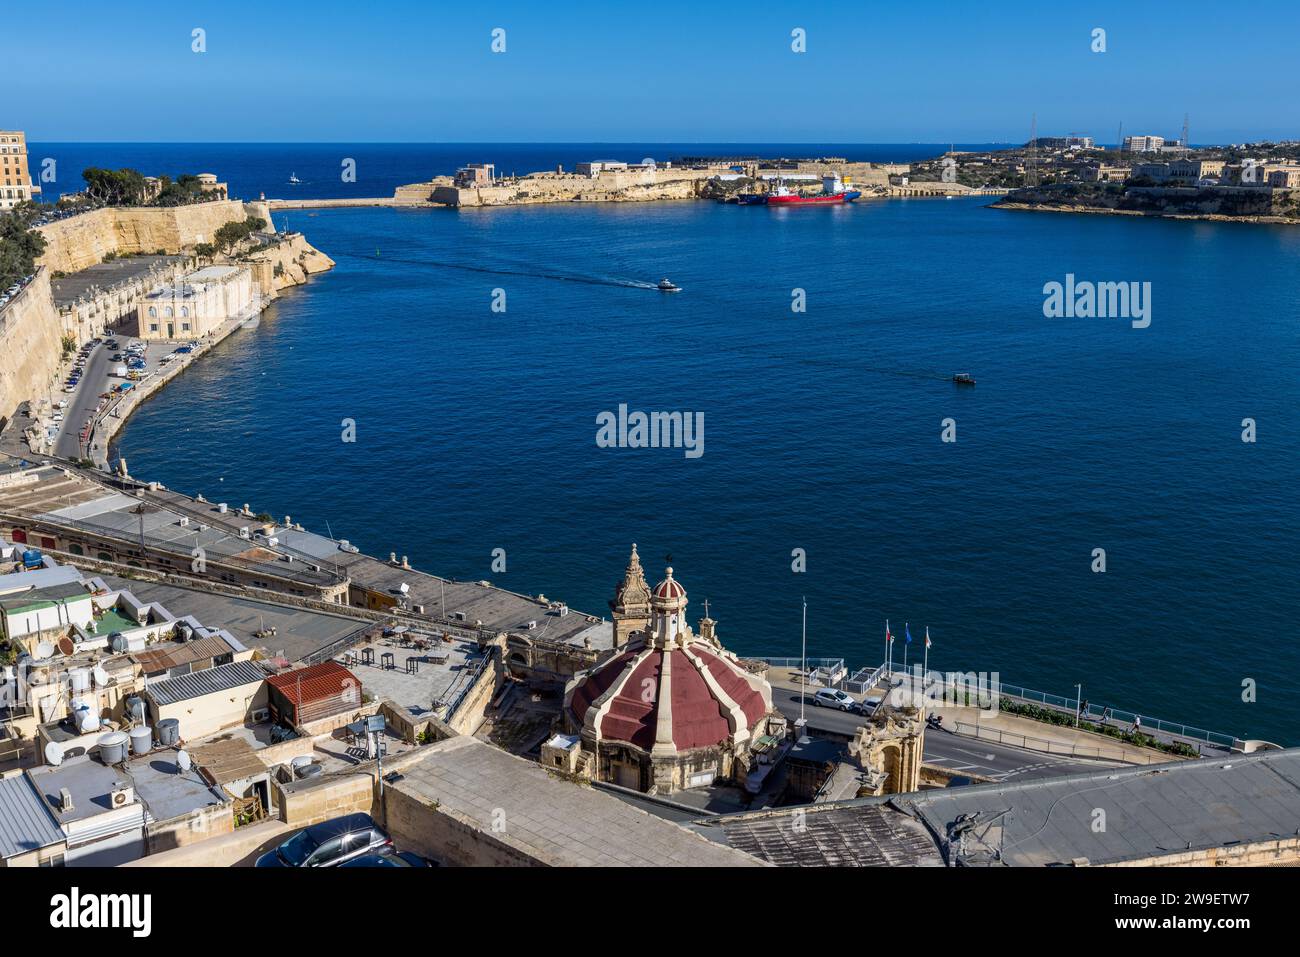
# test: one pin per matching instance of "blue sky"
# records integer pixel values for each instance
(665, 71)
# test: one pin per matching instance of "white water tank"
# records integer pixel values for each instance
(112, 747)
(79, 679)
(141, 739)
(86, 715)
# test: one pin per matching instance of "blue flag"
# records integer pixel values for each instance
(907, 632)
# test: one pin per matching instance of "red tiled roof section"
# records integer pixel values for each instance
(315, 683)
(631, 717)
(734, 684)
(698, 721)
(596, 685)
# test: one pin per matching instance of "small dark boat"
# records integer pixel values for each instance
(963, 378)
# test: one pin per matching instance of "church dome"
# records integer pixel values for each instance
(670, 699)
(669, 589)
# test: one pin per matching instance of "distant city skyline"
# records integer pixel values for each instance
(673, 73)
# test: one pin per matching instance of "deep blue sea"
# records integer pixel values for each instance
(476, 429)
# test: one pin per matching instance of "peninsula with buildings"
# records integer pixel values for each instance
(190, 682)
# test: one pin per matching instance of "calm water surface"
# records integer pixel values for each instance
(476, 429)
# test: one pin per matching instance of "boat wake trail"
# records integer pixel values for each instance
(501, 271)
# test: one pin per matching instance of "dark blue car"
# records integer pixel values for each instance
(330, 843)
(391, 859)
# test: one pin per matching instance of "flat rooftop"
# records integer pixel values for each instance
(430, 678)
(550, 820)
(164, 790)
(1150, 811)
(299, 631)
(102, 275)
(72, 499)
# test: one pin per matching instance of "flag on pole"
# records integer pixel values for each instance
(927, 638)
(908, 632)
(888, 637)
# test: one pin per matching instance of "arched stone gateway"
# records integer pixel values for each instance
(669, 709)
(889, 748)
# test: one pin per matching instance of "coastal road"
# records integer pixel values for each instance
(82, 403)
(956, 752)
(95, 381)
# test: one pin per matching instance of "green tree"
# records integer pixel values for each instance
(20, 244)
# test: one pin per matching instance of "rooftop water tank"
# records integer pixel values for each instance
(311, 771)
(169, 732)
(135, 707)
(112, 747)
(79, 679)
(141, 739)
(86, 716)
(117, 641)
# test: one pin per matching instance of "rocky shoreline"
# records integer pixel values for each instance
(1150, 214)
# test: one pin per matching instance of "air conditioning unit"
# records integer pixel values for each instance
(532, 626)
(243, 532)
(65, 800)
(121, 796)
(260, 715)
(184, 522)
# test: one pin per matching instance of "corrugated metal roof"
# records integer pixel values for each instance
(209, 681)
(173, 654)
(26, 823)
(325, 680)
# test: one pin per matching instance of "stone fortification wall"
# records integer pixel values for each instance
(30, 347)
(81, 241)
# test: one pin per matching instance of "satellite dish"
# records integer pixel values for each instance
(53, 754)
(183, 761)
(44, 650)
(66, 646)
(101, 676)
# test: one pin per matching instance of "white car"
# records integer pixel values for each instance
(834, 698)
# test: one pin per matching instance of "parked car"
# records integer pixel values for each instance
(391, 859)
(184, 349)
(869, 705)
(834, 698)
(329, 843)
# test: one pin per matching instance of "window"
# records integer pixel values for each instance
(153, 327)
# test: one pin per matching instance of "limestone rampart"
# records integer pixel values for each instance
(80, 241)
(30, 346)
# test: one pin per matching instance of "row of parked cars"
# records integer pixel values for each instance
(843, 701)
(79, 365)
(354, 840)
(14, 290)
